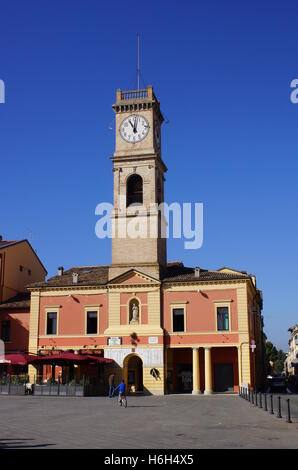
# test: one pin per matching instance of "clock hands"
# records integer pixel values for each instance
(135, 125)
(138, 130)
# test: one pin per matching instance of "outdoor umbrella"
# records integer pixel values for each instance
(66, 357)
(16, 359)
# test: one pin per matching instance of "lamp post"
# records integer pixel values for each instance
(253, 347)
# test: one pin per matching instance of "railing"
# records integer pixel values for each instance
(19, 385)
(52, 387)
(134, 95)
(13, 384)
(86, 386)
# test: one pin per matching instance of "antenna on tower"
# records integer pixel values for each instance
(138, 69)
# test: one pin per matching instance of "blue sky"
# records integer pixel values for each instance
(222, 71)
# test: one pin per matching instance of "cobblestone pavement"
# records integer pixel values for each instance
(174, 421)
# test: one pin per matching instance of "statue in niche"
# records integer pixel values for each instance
(134, 313)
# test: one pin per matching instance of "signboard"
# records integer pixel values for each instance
(114, 341)
(253, 345)
(153, 340)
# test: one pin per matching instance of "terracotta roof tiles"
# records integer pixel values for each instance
(88, 275)
(98, 275)
(20, 301)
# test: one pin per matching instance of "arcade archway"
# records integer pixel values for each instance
(133, 373)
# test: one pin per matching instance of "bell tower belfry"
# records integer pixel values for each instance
(138, 169)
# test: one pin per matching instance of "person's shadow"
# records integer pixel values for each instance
(22, 443)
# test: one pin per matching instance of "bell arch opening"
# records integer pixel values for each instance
(134, 190)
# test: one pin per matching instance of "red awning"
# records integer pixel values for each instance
(16, 359)
(69, 357)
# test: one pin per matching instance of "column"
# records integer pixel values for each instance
(239, 367)
(195, 371)
(32, 373)
(125, 374)
(208, 372)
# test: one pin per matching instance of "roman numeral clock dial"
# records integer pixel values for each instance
(134, 128)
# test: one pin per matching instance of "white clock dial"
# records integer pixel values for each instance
(134, 128)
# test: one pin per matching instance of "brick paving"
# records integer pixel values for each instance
(174, 421)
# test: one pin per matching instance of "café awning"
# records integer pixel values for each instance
(69, 358)
(17, 359)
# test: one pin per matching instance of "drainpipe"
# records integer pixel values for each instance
(2, 263)
(240, 359)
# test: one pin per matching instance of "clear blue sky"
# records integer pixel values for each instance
(222, 71)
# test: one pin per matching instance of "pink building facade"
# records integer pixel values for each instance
(196, 330)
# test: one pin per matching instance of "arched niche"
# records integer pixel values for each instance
(134, 190)
(134, 311)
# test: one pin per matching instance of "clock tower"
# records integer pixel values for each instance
(137, 223)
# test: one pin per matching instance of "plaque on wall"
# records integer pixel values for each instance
(153, 339)
(114, 341)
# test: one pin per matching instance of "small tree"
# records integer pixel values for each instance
(277, 357)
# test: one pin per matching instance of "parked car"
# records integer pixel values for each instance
(276, 385)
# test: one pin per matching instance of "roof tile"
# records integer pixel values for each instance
(98, 275)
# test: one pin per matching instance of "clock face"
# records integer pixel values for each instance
(134, 128)
(157, 133)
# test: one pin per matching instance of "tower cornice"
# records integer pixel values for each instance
(119, 158)
(137, 100)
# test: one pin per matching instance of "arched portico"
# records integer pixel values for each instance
(133, 372)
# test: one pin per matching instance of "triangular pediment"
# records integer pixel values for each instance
(134, 277)
(228, 270)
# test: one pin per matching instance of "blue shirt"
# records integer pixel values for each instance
(121, 387)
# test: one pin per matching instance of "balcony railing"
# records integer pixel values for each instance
(134, 95)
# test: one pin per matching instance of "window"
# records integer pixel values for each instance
(178, 319)
(29, 272)
(21, 268)
(5, 330)
(134, 190)
(223, 319)
(91, 323)
(158, 186)
(51, 323)
(250, 319)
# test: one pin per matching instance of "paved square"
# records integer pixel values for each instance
(173, 421)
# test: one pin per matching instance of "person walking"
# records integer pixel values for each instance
(111, 385)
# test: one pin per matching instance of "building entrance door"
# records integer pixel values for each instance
(134, 374)
(184, 378)
(223, 378)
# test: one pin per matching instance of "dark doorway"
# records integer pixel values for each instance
(184, 378)
(135, 374)
(223, 378)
